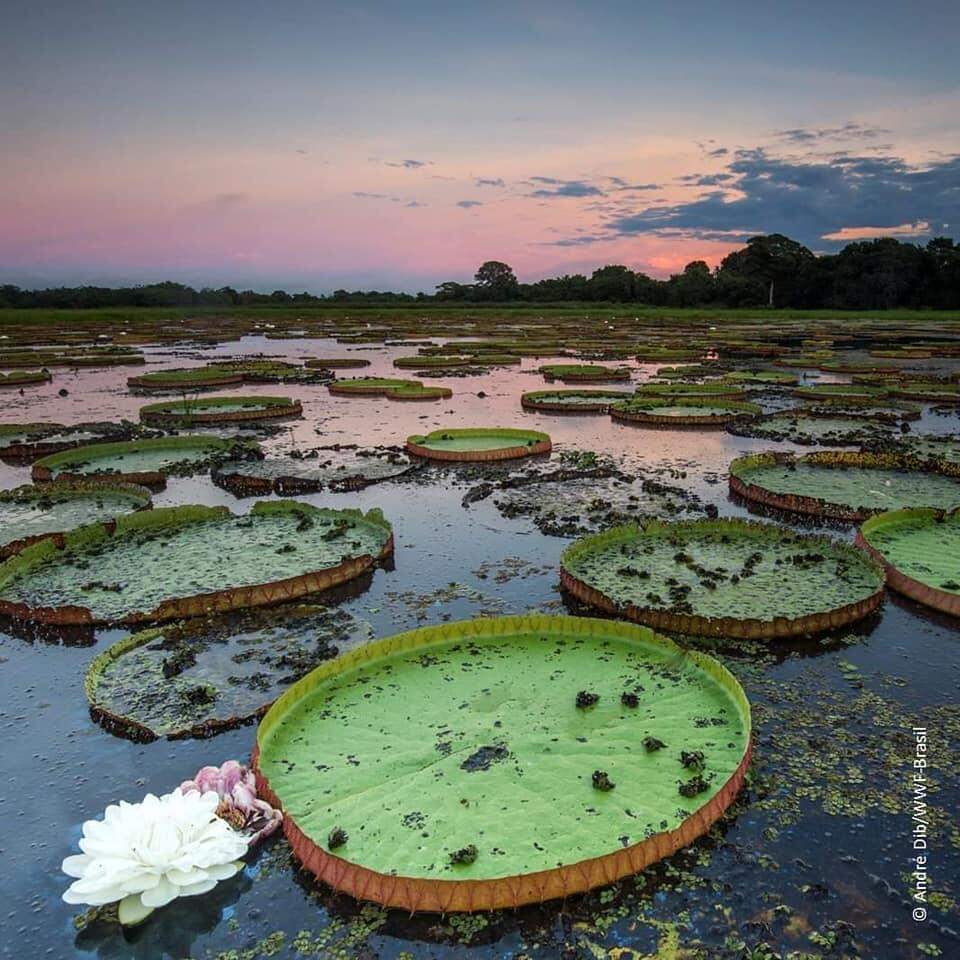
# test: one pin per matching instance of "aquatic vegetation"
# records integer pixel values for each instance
(478, 444)
(798, 427)
(341, 467)
(24, 378)
(388, 387)
(583, 372)
(934, 392)
(202, 410)
(426, 362)
(30, 441)
(760, 378)
(732, 578)
(239, 805)
(196, 678)
(30, 513)
(572, 401)
(148, 462)
(713, 391)
(191, 378)
(843, 485)
(145, 855)
(280, 551)
(920, 550)
(683, 412)
(849, 393)
(418, 797)
(336, 363)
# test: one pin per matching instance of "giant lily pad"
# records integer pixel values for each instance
(192, 378)
(198, 677)
(920, 550)
(842, 485)
(203, 410)
(190, 561)
(809, 431)
(572, 401)
(492, 763)
(478, 443)
(30, 513)
(846, 393)
(149, 462)
(24, 378)
(388, 387)
(30, 441)
(583, 372)
(341, 467)
(683, 412)
(691, 391)
(731, 578)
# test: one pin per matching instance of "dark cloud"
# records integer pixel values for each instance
(565, 188)
(848, 131)
(415, 203)
(705, 179)
(719, 152)
(363, 194)
(810, 199)
(467, 204)
(408, 164)
(489, 182)
(619, 184)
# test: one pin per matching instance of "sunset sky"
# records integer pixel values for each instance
(312, 145)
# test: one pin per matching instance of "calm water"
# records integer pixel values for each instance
(813, 858)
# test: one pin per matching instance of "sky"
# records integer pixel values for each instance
(308, 145)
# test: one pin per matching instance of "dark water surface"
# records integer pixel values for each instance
(814, 858)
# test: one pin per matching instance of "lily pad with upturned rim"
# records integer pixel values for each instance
(474, 444)
(148, 462)
(583, 372)
(572, 401)
(843, 485)
(196, 678)
(204, 410)
(683, 412)
(920, 550)
(175, 562)
(31, 513)
(497, 757)
(723, 578)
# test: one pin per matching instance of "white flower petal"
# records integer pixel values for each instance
(132, 910)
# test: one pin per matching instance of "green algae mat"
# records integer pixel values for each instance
(189, 561)
(478, 443)
(573, 401)
(733, 578)
(843, 485)
(198, 677)
(920, 550)
(491, 763)
(219, 410)
(148, 461)
(30, 512)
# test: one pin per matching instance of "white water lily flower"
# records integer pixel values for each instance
(146, 854)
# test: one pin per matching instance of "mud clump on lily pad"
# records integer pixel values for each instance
(198, 677)
(175, 562)
(563, 801)
(723, 578)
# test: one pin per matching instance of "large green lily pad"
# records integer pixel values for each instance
(469, 735)
(583, 372)
(810, 431)
(572, 401)
(30, 512)
(198, 677)
(922, 544)
(161, 564)
(683, 411)
(723, 577)
(478, 443)
(198, 410)
(144, 461)
(845, 486)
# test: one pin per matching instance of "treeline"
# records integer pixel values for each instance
(770, 270)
